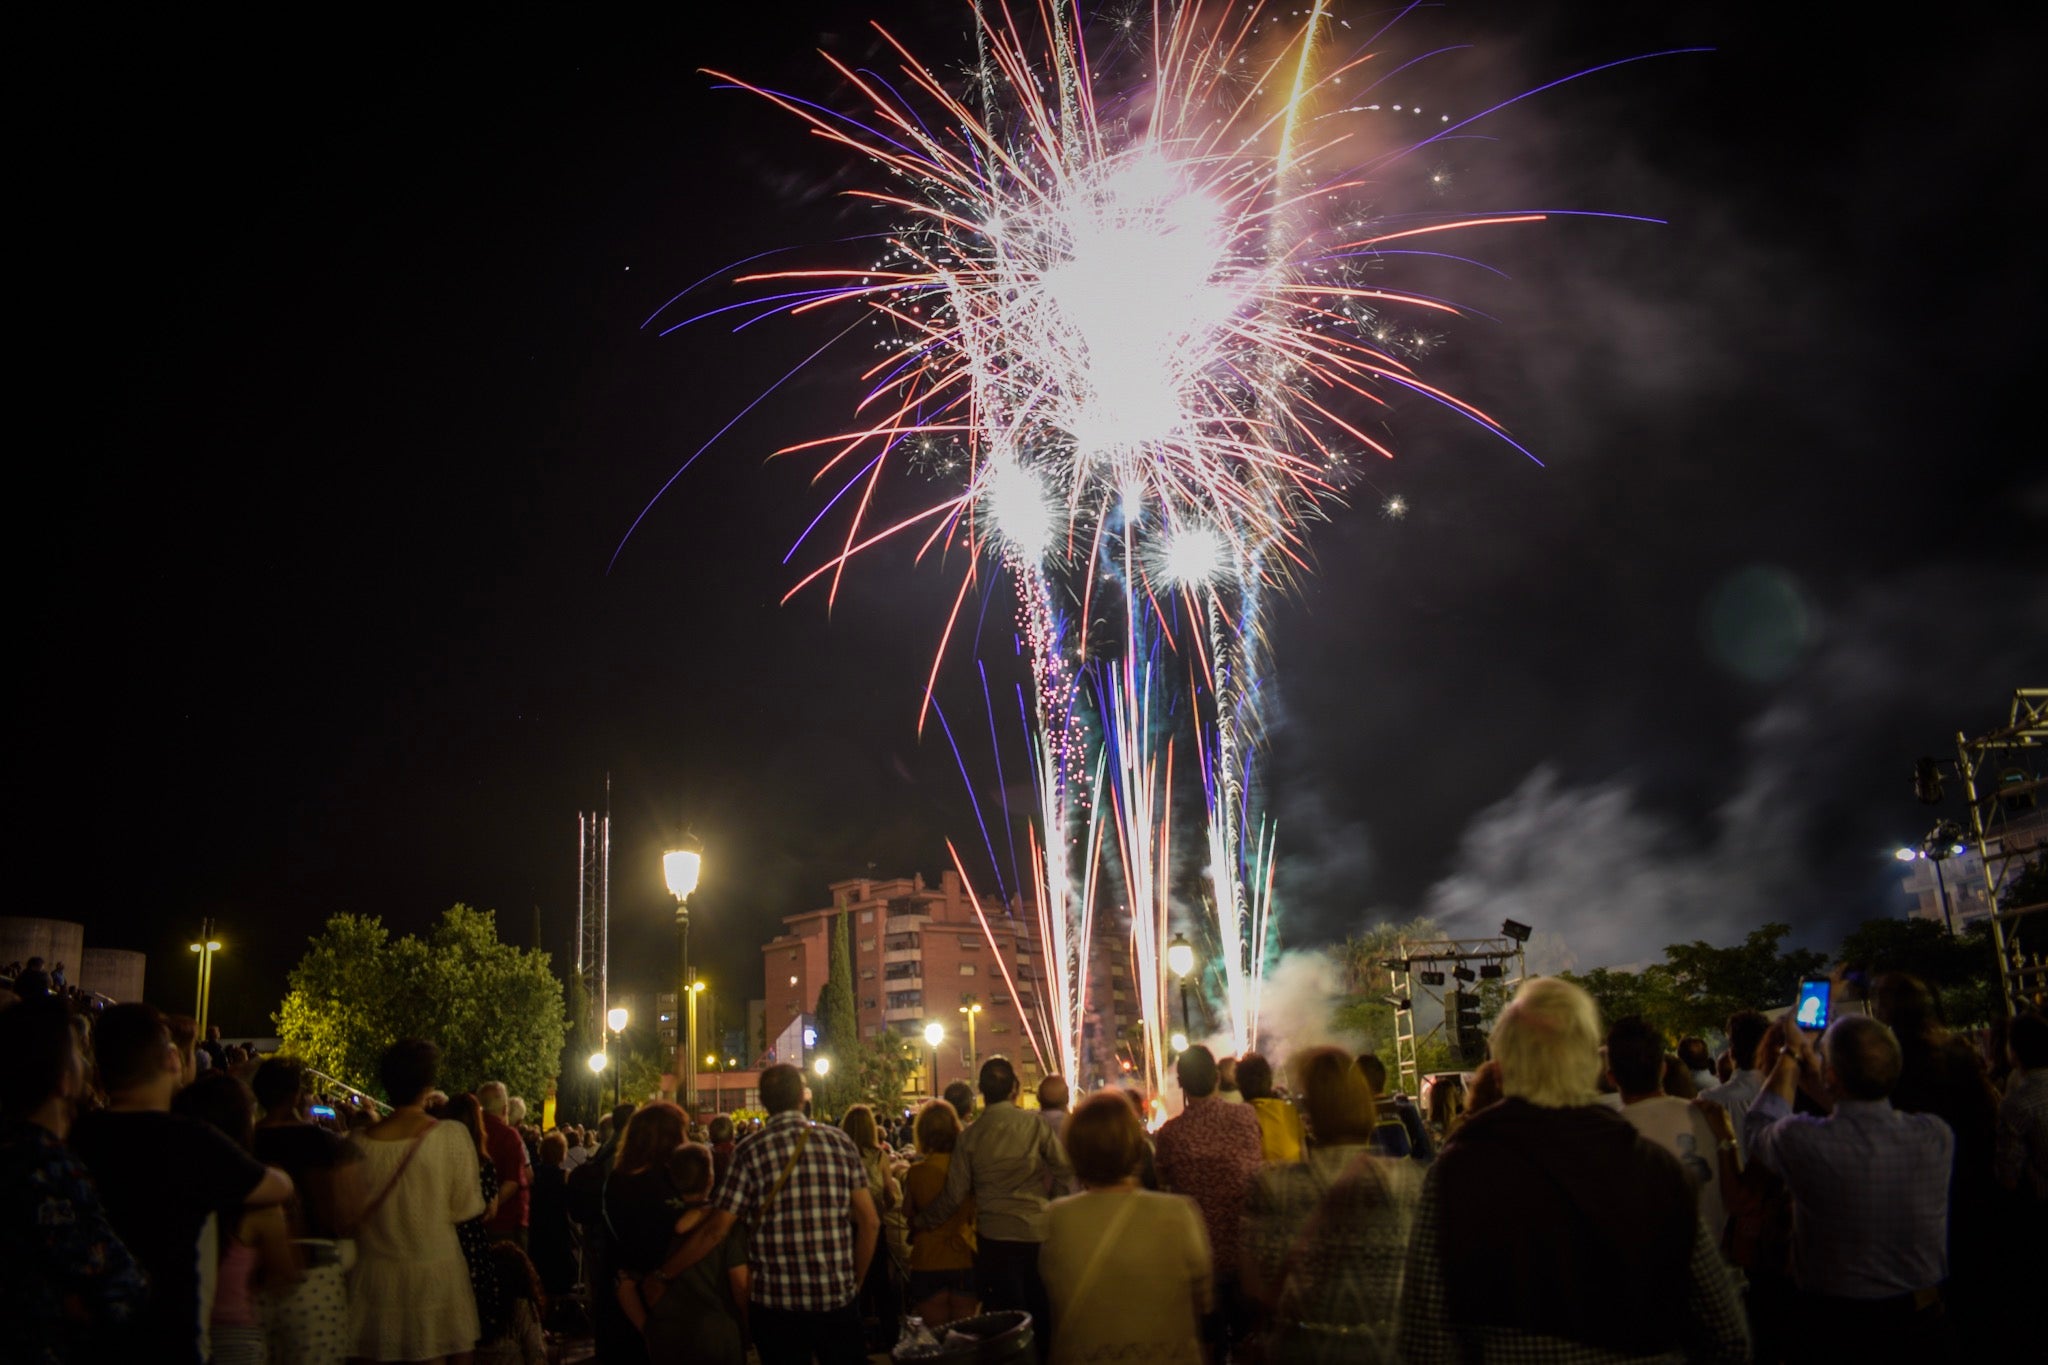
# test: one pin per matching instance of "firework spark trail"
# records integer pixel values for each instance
(1132, 312)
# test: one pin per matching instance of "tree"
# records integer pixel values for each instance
(838, 1027)
(1712, 983)
(495, 1010)
(1961, 967)
(1650, 994)
(885, 1064)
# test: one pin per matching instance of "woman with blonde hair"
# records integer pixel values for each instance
(942, 1259)
(1325, 1239)
(881, 1297)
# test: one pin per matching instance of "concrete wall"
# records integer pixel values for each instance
(52, 940)
(113, 972)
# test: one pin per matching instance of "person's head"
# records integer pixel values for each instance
(1052, 1093)
(213, 1033)
(407, 1070)
(493, 1098)
(464, 1109)
(692, 1169)
(42, 1059)
(278, 1083)
(1695, 1054)
(515, 1111)
(654, 1131)
(517, 1278)
(133, 1051)
(1635, 1058)
(1336, 1099)
(1226, 1075)
(2026, 1042)
(937, 1127)
(1446, 1103)
(1678, 1081)
(961, 1096)
(858, 1123)
(1547, 1041)
(1907, 1006)
(1375, 1072)
(1862, 1056)
(998, 1081)
(782, 1088)
(1746, 1030)
(1254, 1077)
(1104, 1140)
(554, 1149)
(621, 1115)
(220, 1101)
(1196, 1070)
(721, 1129)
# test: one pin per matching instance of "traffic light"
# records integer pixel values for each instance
(1461, 1019)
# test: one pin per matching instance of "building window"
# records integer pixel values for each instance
(867, 945)
(867, 917)
(906, 1000)
(967, 969)
(867, 973)
(999, 999)
(969, 944)
(901, 971)
(998, 1027)
(869, 1003)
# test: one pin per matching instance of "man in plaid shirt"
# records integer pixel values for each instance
(812, 1230)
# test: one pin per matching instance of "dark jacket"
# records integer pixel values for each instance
(1563, 1222)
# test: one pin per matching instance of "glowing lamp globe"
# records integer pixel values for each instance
(1179, 1042)
(934, 1034)
(823, 1066)
(681, 866)
(616, 1018)
(1180, 955)
(598, 1061)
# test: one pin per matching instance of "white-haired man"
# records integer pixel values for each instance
(507, 1151)
(1549, 1230)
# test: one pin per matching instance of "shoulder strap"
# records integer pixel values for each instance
(1102, 1248)
(378, 1201)
(761, 1214)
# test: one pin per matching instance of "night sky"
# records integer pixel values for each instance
(354, 404)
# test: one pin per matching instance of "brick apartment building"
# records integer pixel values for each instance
(919, 955)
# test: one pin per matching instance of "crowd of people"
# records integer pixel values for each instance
(1588, 1194)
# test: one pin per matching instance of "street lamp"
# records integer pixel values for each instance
(597, 1065)
(697, 988)
(1941, 843)
(717, 1081)
(1178, 1041)
(970, 1009)
(680, 868)
(207, 946)
(1180, 957)
(934, 1034)
(616, 1017)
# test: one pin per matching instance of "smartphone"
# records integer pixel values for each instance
(323, 1111)
(1812, 1010)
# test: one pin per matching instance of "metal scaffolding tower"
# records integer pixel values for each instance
(593, 916)
(1421, 965)
(2002, 781)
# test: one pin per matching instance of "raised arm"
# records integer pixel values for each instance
(959, 1184)
(700, 1243)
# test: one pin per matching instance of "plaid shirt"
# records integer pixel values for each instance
(1710, 1315)
(1869, 1194)
(802, 1252)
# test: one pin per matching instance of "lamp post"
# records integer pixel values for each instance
(616, 1017)
(680, 868)
(598, 1062)
(697, 988)
(717, 1081)
(1180, 957)
(207, 946)
(934, 1034)
(970, 1009)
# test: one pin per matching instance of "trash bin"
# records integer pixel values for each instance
(991, 1339)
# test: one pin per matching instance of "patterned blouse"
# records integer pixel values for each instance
(66, 1273)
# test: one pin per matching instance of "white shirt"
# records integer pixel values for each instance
(1681, 1130)
(1736, 1096)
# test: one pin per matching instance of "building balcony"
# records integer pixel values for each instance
(903, 1016)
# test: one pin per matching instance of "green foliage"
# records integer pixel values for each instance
(1651, 993)
(495, 1010)
(1712, 983)
(884, 1065)
(838, 1028)
(1962, 969)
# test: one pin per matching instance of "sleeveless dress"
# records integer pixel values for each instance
(409, 1296)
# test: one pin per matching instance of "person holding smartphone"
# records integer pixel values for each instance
(1869, 1189)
